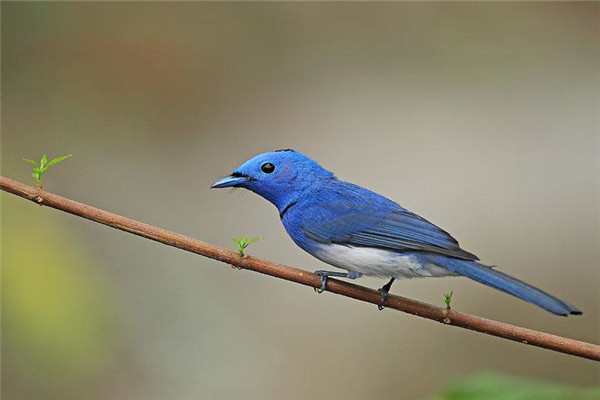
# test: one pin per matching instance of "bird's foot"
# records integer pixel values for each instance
(326, 274)
(385, 289)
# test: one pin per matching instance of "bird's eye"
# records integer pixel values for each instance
(267, 168)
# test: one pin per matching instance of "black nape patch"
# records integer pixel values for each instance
(277, 151)
(286, 208)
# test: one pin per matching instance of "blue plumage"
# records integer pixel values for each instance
(363, 232)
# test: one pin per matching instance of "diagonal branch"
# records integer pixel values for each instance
(478, 324)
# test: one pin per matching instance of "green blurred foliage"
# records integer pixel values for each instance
(493, 386)
(55, 310)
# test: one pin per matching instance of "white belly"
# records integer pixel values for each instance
(378, 262)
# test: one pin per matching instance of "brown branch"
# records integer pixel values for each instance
(490, 327)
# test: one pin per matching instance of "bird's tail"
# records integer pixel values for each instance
(506, 283)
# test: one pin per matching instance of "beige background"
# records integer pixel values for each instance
(480, 117)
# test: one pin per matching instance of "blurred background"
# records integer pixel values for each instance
(481, 117)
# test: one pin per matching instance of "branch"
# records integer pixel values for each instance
(449, 317)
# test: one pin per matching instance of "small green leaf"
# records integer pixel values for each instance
(59, 159)
(448, 299)
(244, 242)
(43, 166)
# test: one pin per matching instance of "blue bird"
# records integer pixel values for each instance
(360, 231)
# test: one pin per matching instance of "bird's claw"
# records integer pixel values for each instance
(326, 274)
(323, 282)
(384, 295)
(385, 289)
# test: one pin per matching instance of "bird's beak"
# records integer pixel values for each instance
(229, 181)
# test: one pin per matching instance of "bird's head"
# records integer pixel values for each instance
(278, 176)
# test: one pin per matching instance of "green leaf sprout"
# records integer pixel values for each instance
(42, 167)
(244, 242)
(448, 299)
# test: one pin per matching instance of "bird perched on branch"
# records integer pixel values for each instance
(360, 231)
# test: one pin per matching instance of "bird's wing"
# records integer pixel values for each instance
(367, 225)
